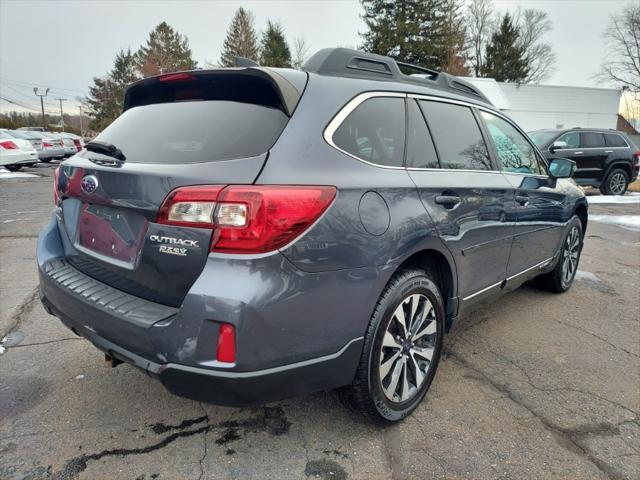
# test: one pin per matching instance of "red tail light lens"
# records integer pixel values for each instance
(56, 195)
(274, 216)
(637, 157)
(77, 144)
(8, 145)
(226, 351)
(190, 206)
(47, 144)
(247, 218)
(175, 77)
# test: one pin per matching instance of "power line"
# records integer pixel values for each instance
(7, 80)
(13, 102)
(27, 96)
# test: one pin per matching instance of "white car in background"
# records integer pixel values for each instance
(16, 152)
(52, 147)
(78, 142)
(27, 135)
(68, 144)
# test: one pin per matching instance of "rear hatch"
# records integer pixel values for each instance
(197, 128)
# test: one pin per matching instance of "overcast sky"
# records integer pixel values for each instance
(64, 44)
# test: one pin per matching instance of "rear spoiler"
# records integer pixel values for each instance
(255, 85)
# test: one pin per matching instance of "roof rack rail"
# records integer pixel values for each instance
(344, 62)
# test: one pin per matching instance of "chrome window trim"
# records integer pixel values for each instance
(352, 104)
(588, 148)
(345, 111)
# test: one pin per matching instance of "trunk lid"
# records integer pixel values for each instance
(109, 207)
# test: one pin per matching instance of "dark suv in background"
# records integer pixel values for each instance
(250, 234)
(605, 159)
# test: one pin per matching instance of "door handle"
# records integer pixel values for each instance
(608, 151)
(522, 199)
(448, 201)
(578, 153)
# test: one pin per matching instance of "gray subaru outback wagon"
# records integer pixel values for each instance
(249, 234)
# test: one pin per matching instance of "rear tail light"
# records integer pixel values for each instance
(47, 144)
(247, 218)
(56, 194)
(176, 77)
(636, 156)
(226, 351)
(77, 144)
(8, 145)
(61, 143)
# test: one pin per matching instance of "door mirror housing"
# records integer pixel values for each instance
(561, 168)
(557, 145)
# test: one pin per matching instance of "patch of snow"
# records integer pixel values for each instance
(7, 174)
(2, 349)
(582, 275)
(628, 222)
(630, 197)
(79, 377)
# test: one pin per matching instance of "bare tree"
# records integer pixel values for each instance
(532, 26)
(622, 37)
(480, 25)
(300, 50)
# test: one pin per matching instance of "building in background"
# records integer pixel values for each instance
(536, 107)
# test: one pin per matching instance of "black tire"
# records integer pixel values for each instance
(555, 281)
(13, 168)
(45, 160)
(616, 182)
(366, 394)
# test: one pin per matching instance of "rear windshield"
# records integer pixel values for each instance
(194, 132)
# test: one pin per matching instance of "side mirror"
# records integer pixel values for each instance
(562, 168)
(558, 145)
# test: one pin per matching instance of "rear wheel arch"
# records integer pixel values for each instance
(621, 164)
(581, 212)
(442, 269)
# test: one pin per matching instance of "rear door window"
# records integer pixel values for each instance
(572, 139)
(195, 131)
(421, 153)
(591, 140)
(614, 140)
(514, 151)
(374, 131)
(457, 136)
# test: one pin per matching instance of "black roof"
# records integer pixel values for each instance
(344, 62)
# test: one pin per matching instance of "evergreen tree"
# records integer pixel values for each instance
(106, 95)
(274, 51)
(241, 39)
(455, 38)
(505, 57)
(165, 51)
(412, 31)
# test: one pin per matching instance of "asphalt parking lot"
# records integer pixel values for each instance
(535, 386)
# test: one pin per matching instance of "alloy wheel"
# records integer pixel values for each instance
(408, 347)
(570, 256)
(617, 183)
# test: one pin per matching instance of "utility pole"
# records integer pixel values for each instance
(35, 90)
(81, 129)
(61, 113)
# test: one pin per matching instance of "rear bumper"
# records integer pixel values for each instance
(19, 158)
(234, 389)
(290, 341)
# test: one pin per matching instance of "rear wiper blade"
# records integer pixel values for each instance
(105, 148)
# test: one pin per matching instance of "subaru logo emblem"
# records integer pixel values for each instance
(89, 184)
